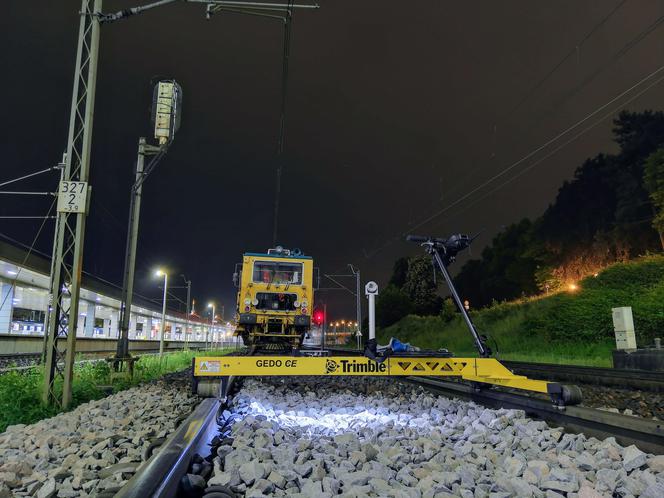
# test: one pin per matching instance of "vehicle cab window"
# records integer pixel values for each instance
(272, 272)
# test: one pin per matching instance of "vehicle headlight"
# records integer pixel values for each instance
(247, 301)
(255, 302)
(304, 303)
(296, 304)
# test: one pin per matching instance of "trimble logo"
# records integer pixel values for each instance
(357, 366)
(331, 366)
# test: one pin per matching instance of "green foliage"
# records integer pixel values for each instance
(420, 286)
(449, 310)
(21, 391)
(20, 398)
(392, 305)
(506, 270)
(399, 272)
(566, 327)
(653, 180)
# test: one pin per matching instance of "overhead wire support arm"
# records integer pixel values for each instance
(341, 286)
(213, 6)
(125, 13)
(250, 13)
(30, 175)
(10, 192)
(27, 217)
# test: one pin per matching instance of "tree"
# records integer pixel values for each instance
(653, 180)
(448, 311)
(392, 305)
(506, 270)
(399, 272)
(421, 288)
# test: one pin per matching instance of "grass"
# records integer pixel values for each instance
(21, 392)
(567, 328)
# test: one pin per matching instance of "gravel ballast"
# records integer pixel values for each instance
(357, 437)
(311, 437)
(94, 449)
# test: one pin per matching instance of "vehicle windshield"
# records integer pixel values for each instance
(277, 272)
(276, 301)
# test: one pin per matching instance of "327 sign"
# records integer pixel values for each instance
(73, 197)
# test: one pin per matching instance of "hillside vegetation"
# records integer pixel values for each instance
(565, 327)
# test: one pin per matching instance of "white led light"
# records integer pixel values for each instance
(247, 301)
(255, 302)
(304, 303)
(296, 304)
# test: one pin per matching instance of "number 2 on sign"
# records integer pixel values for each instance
(72, 197)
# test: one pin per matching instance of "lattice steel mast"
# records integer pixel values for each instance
(67, 264)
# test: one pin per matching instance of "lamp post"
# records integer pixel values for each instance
(160, 273)
(186, 327)
(210, 305)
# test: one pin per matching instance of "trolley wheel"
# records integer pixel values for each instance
(571, 395)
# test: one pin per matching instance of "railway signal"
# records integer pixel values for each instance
(166, 115)
(319, 317)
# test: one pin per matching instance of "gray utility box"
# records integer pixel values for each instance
(623, 326)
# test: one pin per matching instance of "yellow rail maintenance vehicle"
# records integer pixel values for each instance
(274, 299)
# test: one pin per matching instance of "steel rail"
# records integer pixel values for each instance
(646, 434)
(601, 376)
(160, 475)
(643, 380)
(7, 358)
(101, 351)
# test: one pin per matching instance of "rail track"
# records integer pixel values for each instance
(24, 361)
(643, 380)
(23, 351)
(165, 474)
(646, 434)
(600, 376)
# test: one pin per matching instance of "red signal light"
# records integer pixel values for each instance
(318, 317)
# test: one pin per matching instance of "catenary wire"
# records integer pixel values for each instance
(555, 150)
(27, 255)
(525, 158)
(557, 66)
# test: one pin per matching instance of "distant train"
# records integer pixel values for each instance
(274, 299)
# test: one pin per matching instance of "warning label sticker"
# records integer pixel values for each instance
(209, 366)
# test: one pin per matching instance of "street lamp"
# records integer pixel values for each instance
(186, 327)
(210, 305)
(160, 273)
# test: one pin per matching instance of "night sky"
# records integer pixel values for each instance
(395, 109)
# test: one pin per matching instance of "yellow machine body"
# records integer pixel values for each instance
(483, 370)
(274, 299)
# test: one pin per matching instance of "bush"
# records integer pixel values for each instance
(21, 391)
(449, 310)
(391, 306)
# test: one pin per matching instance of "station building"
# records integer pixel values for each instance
(24, 306)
